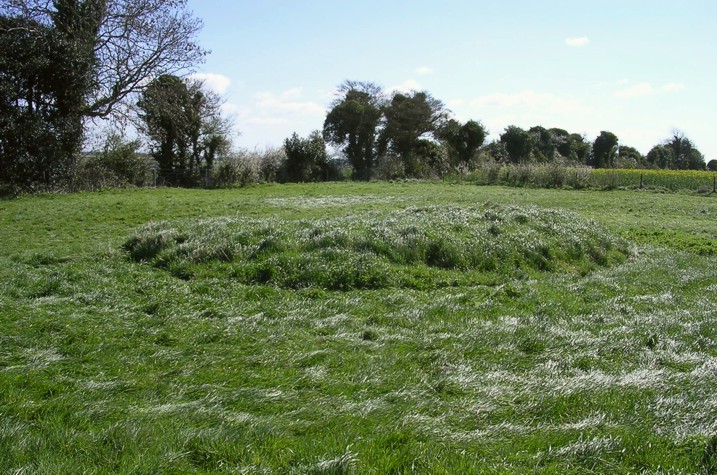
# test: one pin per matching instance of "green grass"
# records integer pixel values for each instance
(184, 359)
(434, 246)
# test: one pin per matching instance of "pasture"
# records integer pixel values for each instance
(359, 328)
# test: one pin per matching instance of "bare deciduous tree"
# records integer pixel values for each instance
(136, 41)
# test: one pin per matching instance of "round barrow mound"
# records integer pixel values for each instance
(414, 247)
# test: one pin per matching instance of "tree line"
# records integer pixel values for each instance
(412, 134)
(67, 63)
(415, 132)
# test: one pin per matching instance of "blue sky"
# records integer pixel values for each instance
(637, 68)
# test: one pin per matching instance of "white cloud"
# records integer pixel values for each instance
(216, 82)
(424, 70)
(288, 101)
(642, 89)
(673, 87)
(647, 89)
(293, 93)
(406, 86)
(546, 102)
(280, 112)
(577, 42)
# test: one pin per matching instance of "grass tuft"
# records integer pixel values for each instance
(425, 247)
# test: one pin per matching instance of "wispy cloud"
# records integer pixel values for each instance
(647, 89)
(531, 100)
(642, 89)
(577, 42)
(424, 70)
(673, 87)
(288, 101)
(286, 109)
(216, 82)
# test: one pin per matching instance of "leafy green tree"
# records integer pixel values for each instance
(495, 151)
(659, 156)
(544, 143)
(677, 153)
(307, 159)
(628, 157)
(65, 61)
(121, 157)
(433, 159)
(462, 140)
(572, 147)
(695, 160)
(684, 154)
(117, 163)
(581, 149)
(38, 138)
(408, 119)
(353, 124)
(712, 165)
(604, 150)
(185, 127)
(518, 143)
(76, 25)
(563, 143)
(116, 46)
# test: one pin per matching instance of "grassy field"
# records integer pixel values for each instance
(358, 328)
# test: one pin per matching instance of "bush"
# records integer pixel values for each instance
(271, 163)
(553, 175)
(117, 164)
(235, 170)
(247, 167)
(389, 167)
(307, 159)
(518, 175)
(578, 177)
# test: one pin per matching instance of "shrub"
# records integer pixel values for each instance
(247, 167)
(118, 164)
(578, 177)
(553, 175)
(389, 167)
(271, 163)
(233, 170)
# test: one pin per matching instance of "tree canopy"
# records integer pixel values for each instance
(409, 118)
(185, 127)
(353, 123)
(518, 143)
(63, 62)
(307, 160)
(462, 140)
(604, 150)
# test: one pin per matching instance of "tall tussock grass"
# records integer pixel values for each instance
(415, 247)
(557, 175)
